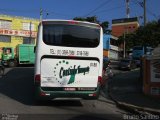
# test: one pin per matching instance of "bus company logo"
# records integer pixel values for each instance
(62, 73)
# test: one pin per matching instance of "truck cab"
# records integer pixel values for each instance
(8, 56)
(22, 54)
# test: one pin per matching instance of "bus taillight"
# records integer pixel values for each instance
(100, 79)
(42, 94)
(37, 79)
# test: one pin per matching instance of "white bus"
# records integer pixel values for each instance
(68, 60)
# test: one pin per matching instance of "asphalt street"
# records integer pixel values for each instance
(16, 98)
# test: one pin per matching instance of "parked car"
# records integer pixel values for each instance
(127, 64)
(138, 63)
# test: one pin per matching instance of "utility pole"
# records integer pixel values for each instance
(127, 8)
(41, 14)
(124, 46)
(144, 6)
(126, 29)
(30, 28)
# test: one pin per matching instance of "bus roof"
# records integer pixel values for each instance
(47, 21)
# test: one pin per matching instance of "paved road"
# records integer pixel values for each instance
(126, 79)
(16, 97)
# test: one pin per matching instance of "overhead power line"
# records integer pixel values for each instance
(100, 6)
(55, 13)
(111, 9)
(141, 4)
(46, 13)
(18, 10)
(153, 14)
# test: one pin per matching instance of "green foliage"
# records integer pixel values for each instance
(79, 19)
(88, 19)
(105, 25)
(148, 35)
(94, 19)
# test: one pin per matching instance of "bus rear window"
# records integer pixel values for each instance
(71, 35)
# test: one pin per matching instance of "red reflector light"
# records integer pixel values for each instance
(94, 94)
(42, 94)
(37, 78)
(100, 79)
(72, 22)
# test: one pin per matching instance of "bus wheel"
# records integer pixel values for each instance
(12, 64)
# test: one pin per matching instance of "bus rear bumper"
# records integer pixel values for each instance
(65, 95)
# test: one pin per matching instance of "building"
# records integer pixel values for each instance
(17, 30)
(114, 50)
(110, 47)
(106, 46)
(150, 73)
(124, 25)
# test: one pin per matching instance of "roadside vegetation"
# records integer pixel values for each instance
(148, 35)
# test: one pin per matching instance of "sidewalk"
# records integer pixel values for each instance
(126, 90)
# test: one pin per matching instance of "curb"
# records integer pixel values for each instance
(129, 107)
(133, 108)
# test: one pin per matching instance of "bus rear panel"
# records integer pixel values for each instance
(68, 60)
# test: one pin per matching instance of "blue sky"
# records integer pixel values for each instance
(105, 10)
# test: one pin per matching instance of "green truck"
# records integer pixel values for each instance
(22, 54)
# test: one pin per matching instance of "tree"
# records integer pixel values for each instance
(105, 26)
(94, 19)
(148, 35)
(79, 18)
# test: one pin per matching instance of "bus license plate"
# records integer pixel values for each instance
(69, 89)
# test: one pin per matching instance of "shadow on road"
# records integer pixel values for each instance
(59, 103)
(17, 84)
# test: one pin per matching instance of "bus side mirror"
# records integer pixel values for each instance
(34, 49)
